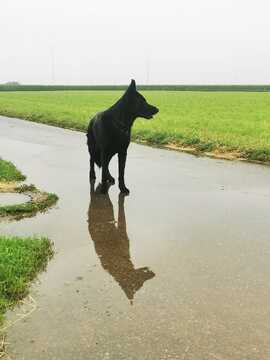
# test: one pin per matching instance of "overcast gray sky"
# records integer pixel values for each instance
(155, 42)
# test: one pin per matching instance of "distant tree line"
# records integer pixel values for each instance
(15, 86)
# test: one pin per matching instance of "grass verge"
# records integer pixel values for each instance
(20, 261)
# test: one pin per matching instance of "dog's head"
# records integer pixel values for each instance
(138, 105)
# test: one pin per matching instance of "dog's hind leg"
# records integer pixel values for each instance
(105, 159)
(91, 150)
(92, 173)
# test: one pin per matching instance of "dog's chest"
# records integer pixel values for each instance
(120, 138)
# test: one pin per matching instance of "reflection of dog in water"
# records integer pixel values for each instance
(112, 243)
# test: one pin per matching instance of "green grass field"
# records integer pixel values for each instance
(207, 121)
(20, 261)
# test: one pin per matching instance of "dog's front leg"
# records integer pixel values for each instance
(121, 168)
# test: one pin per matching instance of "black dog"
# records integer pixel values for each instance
(109, 134)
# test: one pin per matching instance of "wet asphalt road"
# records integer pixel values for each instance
(180, 269)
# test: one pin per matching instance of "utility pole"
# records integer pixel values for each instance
(147, 67)
(52, 66)
(147, 70)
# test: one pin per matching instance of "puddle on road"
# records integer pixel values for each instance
(12, 199)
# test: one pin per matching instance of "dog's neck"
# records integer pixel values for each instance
(123, 118)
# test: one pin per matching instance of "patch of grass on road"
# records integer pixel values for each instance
(9, 172)
(206, 121)
(39, 202)
(20, 261)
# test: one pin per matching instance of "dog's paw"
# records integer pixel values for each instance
(124, 190)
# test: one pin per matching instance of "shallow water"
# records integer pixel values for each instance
(12, 199)
(177, 270)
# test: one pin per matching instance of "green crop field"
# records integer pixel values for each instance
(207, 121)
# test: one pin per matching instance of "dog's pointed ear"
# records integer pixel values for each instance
(132, 86)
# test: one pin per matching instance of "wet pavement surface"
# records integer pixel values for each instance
(179, 269)
(11, 198)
